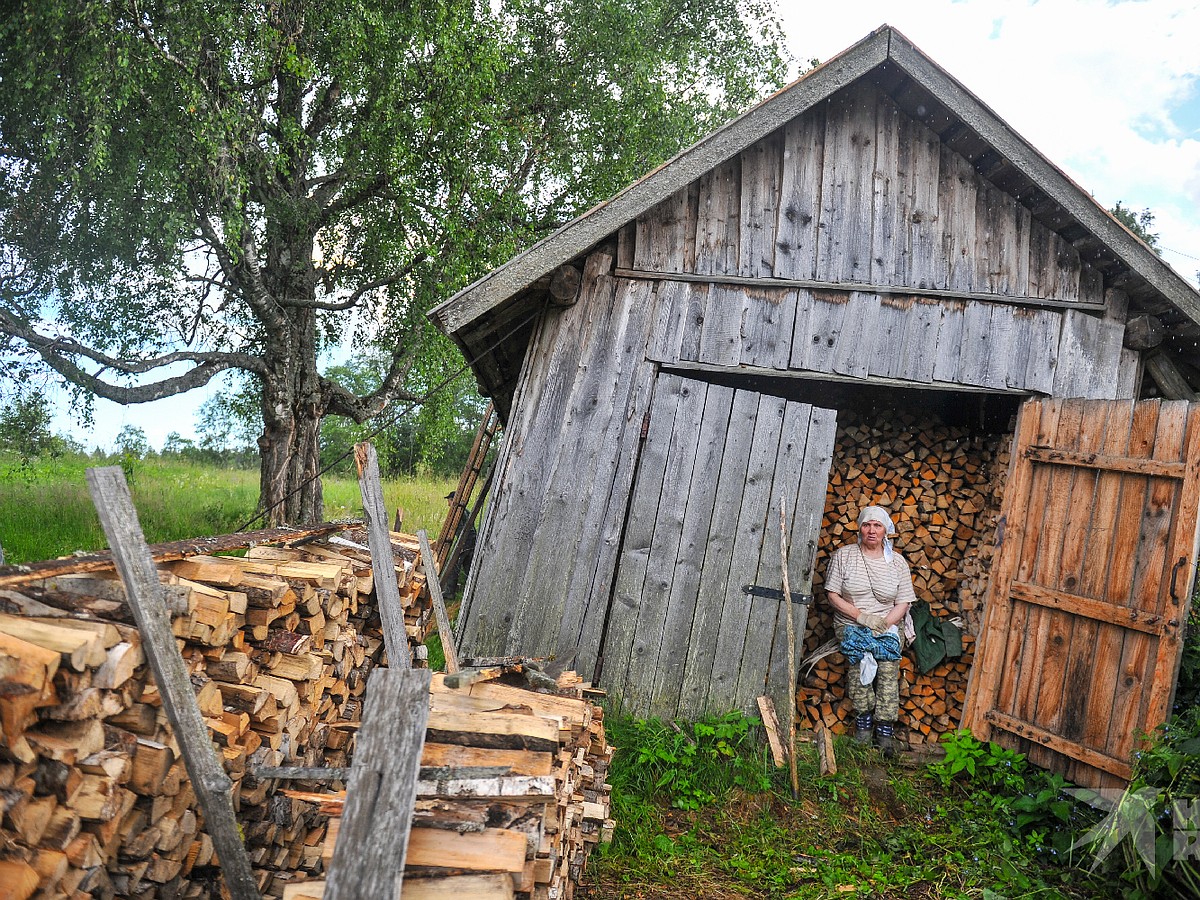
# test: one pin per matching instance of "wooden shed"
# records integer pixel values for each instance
(676, 361)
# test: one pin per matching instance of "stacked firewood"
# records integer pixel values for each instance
(95, 797)
(511, 798)
(942, 486)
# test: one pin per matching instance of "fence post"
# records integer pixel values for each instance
(383, 560)
(368, 860)
(214, 790)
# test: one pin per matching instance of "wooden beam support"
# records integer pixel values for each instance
(383, 561)
(134, 563)
(1092, 609)
(1144, 332)
(564, 285)
(372, 844)
(445, 632)
(1153, 468)
(847, 287)
(1102, 761)
(1168, 377)
(688, 369)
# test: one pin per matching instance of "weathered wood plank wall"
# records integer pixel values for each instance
(850, 243)
(857, 194)
(547, 551)
(683, 637)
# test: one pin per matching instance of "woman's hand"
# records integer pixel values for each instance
(877, 624)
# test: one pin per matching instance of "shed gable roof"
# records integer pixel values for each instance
(928, 94)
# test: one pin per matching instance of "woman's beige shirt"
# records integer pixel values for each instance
(847, 574)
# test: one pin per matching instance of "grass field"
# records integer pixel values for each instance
(45, 510)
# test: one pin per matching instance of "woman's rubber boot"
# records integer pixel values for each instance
(885, 740)
(863, 727)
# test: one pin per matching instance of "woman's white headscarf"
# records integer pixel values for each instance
(880, 515)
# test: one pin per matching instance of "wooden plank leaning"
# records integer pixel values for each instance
(445, 632)
(791, 650)
(212, 786)
(368, 860)
(383, 562)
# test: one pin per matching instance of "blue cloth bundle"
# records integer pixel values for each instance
(859, 640)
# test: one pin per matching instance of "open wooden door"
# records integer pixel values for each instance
(1082, 630)
(683, 637)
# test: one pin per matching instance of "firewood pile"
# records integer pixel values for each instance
(96, 801)
(942, 485)
(511, 798)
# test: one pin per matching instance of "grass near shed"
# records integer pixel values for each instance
(45, 509)
(702, 814)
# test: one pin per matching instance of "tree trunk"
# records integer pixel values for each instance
(289, 489)
(293, 405)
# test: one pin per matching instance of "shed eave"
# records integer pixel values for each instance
(593, 226)
(1077, 202)
(884, 44)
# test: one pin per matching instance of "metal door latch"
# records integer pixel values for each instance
(755, 590)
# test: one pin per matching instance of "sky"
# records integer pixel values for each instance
(1108, 91)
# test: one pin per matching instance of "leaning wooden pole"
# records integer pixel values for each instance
(212, 786)
(791, 650)
(368, 860)
(383, 560)
(445, 632)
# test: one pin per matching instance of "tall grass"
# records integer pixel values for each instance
(45, 509)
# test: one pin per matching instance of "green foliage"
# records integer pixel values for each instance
(867, 831)
(1166, 783)
(132, 448)
(433, 437)
(25, 428)
(1187, 686)
(1139, 223)
(1034, 805)
(987, 766)
(690, 770)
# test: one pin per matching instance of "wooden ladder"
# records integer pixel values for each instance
(466, 486)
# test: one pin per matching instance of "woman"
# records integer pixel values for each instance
(870, 585)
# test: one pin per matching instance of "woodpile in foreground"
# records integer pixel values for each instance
(511, 797)
(94, 796)
(942, 485)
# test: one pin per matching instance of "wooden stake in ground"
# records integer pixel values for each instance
(791, 654)
(439, 603)
(771, 724)
(383, 561)
(213, 788)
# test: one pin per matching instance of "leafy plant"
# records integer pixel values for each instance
(1166, 788)
(689, 770)
(989, 766)
(1036, 807)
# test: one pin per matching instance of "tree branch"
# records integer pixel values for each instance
(359, 292)
(342, 402)
(57, 353)
(66, 346)
(355, 198)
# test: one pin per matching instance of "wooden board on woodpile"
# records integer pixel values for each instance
(532, 833)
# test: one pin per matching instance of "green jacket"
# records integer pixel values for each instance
(937, 639)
